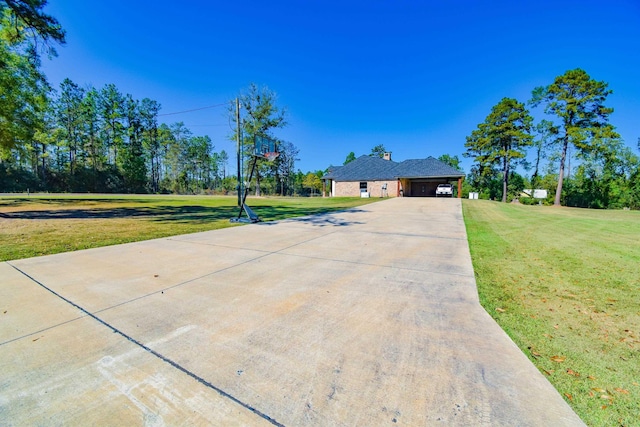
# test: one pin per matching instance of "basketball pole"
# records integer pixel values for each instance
(239, 152)
(242, 187)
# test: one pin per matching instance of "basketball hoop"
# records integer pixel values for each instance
(271, 155)
(265, 147)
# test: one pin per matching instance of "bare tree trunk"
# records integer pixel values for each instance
(534, 177)
(565, 145)
(257, 180)
(44, 165)
(505, 179)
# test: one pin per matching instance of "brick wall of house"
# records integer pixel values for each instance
(352, 189)
(347, 189)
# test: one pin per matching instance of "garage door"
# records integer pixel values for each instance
(423, 189)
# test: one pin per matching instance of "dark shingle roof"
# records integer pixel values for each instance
(364, 168)
(367, 168)
(331, 169)
(429, 167)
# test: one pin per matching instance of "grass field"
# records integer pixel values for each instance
(48, 224)
(565, 285)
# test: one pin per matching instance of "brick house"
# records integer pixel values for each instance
(369, 176)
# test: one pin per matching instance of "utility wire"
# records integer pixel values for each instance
(205, 126)
(194, 109)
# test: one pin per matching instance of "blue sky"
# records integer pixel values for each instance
(416, 76)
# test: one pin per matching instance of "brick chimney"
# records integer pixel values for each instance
(387, 155)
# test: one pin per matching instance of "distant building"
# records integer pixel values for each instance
(369, 176)
(535, 193)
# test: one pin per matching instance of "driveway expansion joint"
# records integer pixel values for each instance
(155, 353)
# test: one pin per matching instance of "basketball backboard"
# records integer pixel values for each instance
(265, 147)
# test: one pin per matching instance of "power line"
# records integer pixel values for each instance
(194, 109)
(206, 126)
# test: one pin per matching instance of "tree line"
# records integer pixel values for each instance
(90, 140)
(607, 174)
(87, 139)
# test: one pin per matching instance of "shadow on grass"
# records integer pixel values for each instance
(162, 213)
(25, 201)
(183, 214)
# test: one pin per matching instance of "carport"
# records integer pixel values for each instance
(423, 187)
(421, 177)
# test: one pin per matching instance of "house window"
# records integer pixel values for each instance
(363, 187)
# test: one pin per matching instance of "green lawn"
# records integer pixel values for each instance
(48, 224)
(565, 285)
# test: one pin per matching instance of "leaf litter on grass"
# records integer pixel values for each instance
(569, 278)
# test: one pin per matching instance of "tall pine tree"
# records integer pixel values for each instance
(578, 103)
(501, 140)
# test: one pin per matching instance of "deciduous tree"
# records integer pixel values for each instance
(350, 158)
(285, 164)
(313, 182)
(452, 161)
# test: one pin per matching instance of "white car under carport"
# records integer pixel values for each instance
(444, 190)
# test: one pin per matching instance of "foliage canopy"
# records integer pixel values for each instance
(577, 101)
(501, 140)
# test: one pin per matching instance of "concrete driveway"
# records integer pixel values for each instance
(366, 317)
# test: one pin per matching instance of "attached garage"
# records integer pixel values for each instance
(423, 188)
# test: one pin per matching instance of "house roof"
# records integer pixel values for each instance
(364, 168)
(368, 168)
(426, 168)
